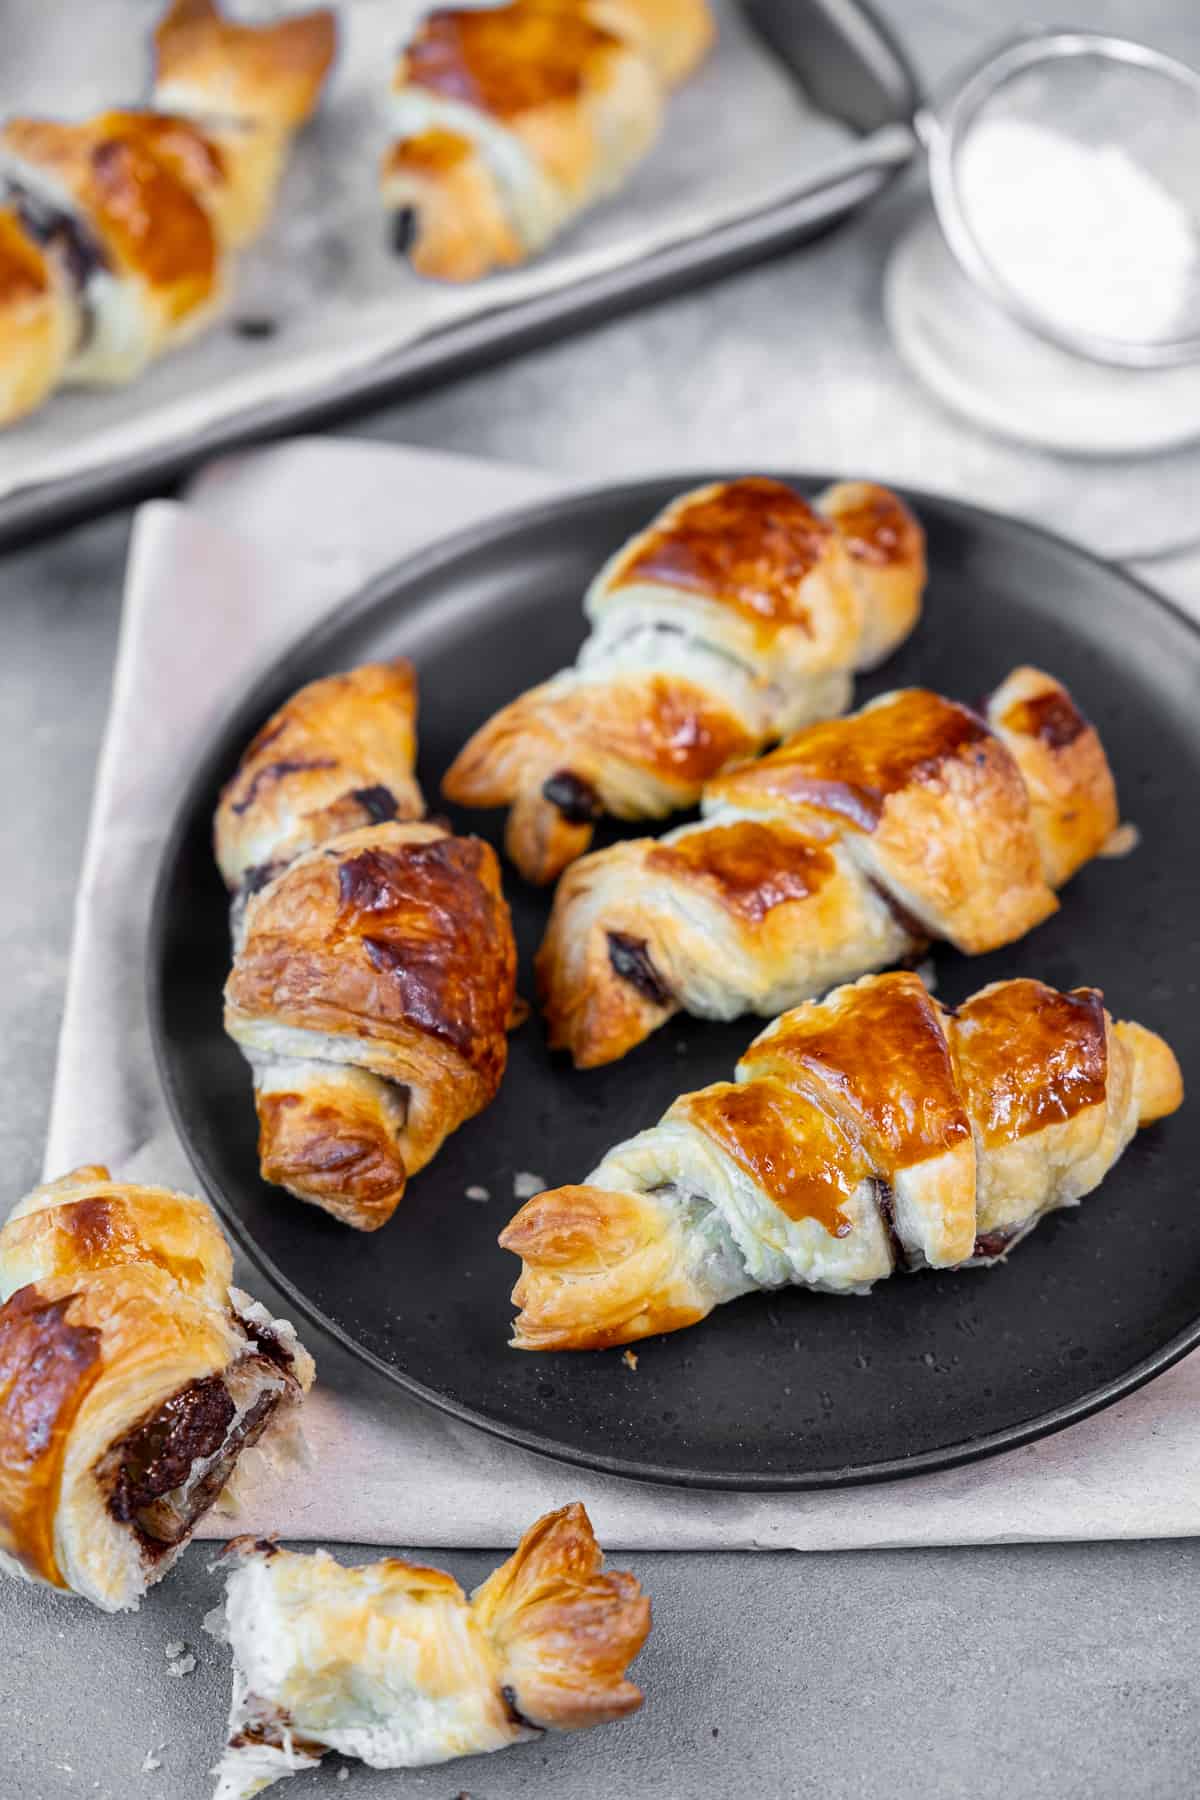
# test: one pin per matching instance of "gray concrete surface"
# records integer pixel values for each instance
(1056, 1673)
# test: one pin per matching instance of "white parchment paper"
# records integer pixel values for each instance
(269, 542)
(739, 137)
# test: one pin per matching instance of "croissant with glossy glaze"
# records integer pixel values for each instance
(738, 615)
(374, 971)
(510, 120)
(872, 1132)
(848, 848)
(393, 1663)
(116, 232)
(133, 1376)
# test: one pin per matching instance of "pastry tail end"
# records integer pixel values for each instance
(564, 1628)
(600, 1268)
(1158, 1082)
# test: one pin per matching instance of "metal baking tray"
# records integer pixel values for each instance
(838, 52)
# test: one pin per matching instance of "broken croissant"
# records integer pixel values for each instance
(132, 1378)
(393, 1664)
(116, 232)
(374, 973)
(847, 848)
(510, 120)
(738, 615)
(871, 1132)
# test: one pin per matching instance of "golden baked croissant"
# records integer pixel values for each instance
(509, 120)
(116, 231)
(393, 1664)
(336, 756)
(132, 1378)
(847, 848)
(374, 974)
(738, 615)
(871, 1132)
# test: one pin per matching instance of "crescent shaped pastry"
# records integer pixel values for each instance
(392, 1663)
(336, 756)
(738, 615)
(116, 232)
(374, 976)
(872, 1132)
(848, 848)
(372, 992)
(510, 120)
(132, 1379)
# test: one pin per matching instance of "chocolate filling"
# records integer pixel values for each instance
(55, 228)
(258, 876)
(631, 961)
(273, 772)
(993, 1243)
(379, 803)
(514, 1711)
(885, 1200)
(404, 230)
(576, 799)
(907, 921)
(152, 1463)
(273, 1731)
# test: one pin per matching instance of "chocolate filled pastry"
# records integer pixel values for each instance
(510, 120)
(337, 756)
(116, 232)
(737, 616)
(850, 847)
(374, 974)
(133, 1377)
(392, 1663)
(872, 1132)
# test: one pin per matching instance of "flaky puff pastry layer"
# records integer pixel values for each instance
(134, 214)
(739, 614)
(392, 1662)
(510, 120)
(849, 847)
(872, 1132)
(372, 993)
(337, 756)
(132, 1378)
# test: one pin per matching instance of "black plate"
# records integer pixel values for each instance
(795, 1389)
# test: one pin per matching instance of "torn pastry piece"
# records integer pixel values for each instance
(116, 232)
(132, 1379)
(510, 120)
(372, 991)
(738, 615)
(873, 1132)
(338, 755)
(392, 1663)
(850, 847)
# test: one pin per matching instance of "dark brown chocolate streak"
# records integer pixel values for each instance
(907, 921)
(404, 230)
(157, 1455)
(379, 803)
(885, 1200)
(272, 772)
(631, 961)
(55, 228)
(993, 1243)
(518, 1717)
(576, 799)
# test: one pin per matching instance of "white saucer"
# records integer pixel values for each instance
(988, 368)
